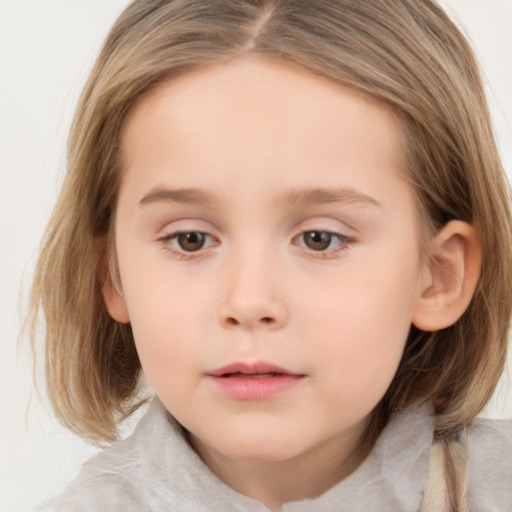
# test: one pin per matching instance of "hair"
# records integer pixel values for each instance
(408, 55)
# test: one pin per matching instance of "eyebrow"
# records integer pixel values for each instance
(182, 195)
(328, 195)
(299, 197)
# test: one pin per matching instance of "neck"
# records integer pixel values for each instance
(274, 483)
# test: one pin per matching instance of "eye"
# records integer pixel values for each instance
(189, 241)
(322, 240)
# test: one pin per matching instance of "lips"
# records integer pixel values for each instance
(254, 369)
(254, 381)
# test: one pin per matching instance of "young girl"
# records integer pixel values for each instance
(290, 217)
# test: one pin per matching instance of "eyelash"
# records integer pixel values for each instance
(168, 244)
(344, 242)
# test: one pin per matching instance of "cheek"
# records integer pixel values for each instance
(363, 336)
(164, 322)
(361, 326)
(165, 316)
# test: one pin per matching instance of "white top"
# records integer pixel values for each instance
(155, 469)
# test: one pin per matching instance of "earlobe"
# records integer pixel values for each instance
(112, 295)
(450, 277)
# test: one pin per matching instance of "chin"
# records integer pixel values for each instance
(262, 446)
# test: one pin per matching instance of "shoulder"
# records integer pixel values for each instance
(490, 465)
(152, 469)
(102, 484)
(101, 493)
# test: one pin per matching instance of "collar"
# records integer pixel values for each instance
(391, 477)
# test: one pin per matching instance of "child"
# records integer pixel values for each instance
(291, 218)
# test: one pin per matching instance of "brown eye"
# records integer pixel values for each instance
(191, 241)
(318, 240)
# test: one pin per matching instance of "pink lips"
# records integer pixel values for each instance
(258, 381)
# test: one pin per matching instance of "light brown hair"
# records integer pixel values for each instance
(406, 54)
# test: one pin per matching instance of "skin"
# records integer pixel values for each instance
(251, 136)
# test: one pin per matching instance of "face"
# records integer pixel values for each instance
(268, 255)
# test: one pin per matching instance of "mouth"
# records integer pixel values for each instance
(247, 370)
(258, 381)
(241, 375)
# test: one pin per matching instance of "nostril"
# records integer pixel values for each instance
(267, 320)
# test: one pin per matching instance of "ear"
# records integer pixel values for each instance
(111, 291)
(450, 277)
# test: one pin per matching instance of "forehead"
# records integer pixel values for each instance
(256, 123)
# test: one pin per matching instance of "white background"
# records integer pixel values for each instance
(46, 50)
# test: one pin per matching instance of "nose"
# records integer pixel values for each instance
(253, 298)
